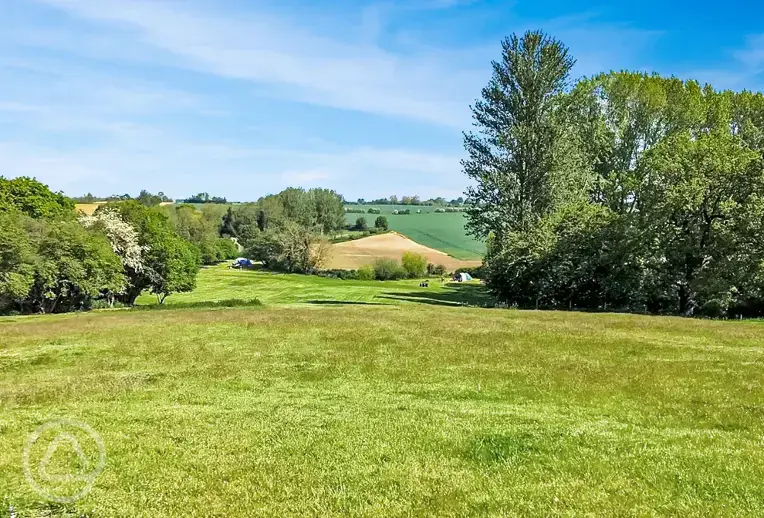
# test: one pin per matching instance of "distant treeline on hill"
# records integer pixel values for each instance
(144, 198)
(411, 200)
(203, 197)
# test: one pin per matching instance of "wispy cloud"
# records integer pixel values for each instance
(273, 50)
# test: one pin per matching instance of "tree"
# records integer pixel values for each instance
(329, 210)
(514, 156)
(34, 199)
(414, 264)
(170, 263)
(697, 191)
(381, 223)
(360, 224)
(148, 199)
(123, 237)
(74, 266)
(288, 248)
(17, 260)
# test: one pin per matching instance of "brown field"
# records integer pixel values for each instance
(88, 208)
(354, 254)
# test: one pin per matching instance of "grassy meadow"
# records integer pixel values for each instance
(441, 231)
(340, 398)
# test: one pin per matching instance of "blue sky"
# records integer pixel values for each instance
(241, 98)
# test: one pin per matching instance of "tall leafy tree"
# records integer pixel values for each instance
(520, 121)
(34, 199)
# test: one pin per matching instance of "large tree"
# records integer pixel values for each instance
(34, 199)
(520, 119)
(170, 263)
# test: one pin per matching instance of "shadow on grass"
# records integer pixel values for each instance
(344, 303)
(451, 295)
(228, 303)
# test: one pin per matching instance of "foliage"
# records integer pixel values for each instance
(436, 269)
(381, 223)
(515, 157)
(360, 224)
(34, 199)
(151, 200)
(366, 273)
(17, 260)
(290, 248)
(672, 219)
(386, 269)
(414, 264)
(73, 266)
(170, 262)
(204, 197)
(123, 237)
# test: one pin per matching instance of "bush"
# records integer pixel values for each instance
(226, 249)
(414, 264)
(381, 223)
(388, 269)
(366, 273)
(436, 269)
(405, 211)
(360, 224)
(346, 275)
(373, 211)
(351, 210)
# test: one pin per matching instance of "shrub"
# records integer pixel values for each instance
(338, 274)
(440, 211)
(388, 269)
(353, 210)
(414, 264)
(226, 249)
(360, 224)
(366, 273)
(381, 222)
(436, 269)
(373, 211)
(405, 211)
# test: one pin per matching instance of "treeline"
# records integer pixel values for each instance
(204, 197)
(412, 200)
(144, 198)
(624, 191)
(54, 260)
(287, 231)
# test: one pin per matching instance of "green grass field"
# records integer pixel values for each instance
(440, 231)
(342, 398)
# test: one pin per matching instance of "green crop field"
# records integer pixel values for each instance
(441, 231)
(340, 398)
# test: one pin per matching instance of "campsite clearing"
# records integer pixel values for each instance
(326, 403)
(356, 253)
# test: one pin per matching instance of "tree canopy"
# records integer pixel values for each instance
(626, 191)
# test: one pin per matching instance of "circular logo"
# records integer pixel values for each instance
(62, 460)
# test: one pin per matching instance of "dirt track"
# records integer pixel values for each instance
(353, 254)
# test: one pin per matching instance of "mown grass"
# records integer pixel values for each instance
(219, 283)
(441, 231)
(401, 409)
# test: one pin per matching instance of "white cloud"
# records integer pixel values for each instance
(273, 50)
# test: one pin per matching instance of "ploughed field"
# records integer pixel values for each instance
(354, 254)
(386, 399)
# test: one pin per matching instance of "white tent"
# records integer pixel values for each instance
(464, 277)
